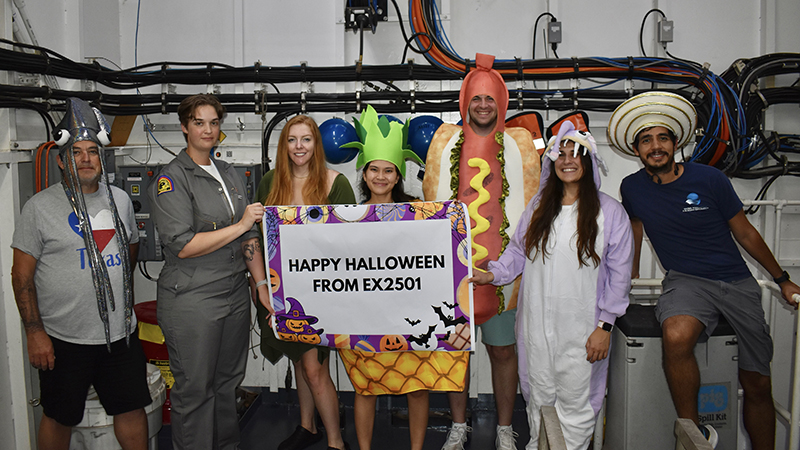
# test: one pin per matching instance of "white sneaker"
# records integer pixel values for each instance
(456, 437)
(506, 438)
(710, 433)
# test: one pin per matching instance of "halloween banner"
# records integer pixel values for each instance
(377, 278)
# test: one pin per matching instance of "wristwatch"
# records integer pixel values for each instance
(782, 278)
(605, 326)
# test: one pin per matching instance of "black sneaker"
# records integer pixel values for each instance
(300, 439)
(710, 434)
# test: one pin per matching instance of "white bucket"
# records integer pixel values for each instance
(96, 430)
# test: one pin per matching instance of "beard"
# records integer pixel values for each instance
(667, 167)
(90, 181)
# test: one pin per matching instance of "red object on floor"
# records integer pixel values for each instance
(156, 353)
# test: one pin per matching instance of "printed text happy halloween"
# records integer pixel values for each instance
(367, 284)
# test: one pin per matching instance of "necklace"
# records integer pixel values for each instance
(299, 178)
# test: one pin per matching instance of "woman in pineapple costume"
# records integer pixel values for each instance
(394, 370)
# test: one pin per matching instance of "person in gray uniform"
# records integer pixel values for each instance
(210, 239)
(73, 239)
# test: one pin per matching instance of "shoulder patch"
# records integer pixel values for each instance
(164, 184)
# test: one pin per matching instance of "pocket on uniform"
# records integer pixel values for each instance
(206, 222)
(175, 279)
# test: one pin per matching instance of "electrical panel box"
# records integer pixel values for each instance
(553, 32)
(373, 11)
(665, 29)
(135, 180)
(251, 175)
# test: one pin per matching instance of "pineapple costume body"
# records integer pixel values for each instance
(401, 372)
(395, 369)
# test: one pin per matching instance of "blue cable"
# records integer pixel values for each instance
(440, 31)
(419, 43)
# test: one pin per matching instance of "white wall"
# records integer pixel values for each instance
(281, 33)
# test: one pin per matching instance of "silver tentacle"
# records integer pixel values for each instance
(100, 279)
(124, 254)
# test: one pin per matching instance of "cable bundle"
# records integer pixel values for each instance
(730, 132)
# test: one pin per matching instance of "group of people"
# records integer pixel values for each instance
(553, 275)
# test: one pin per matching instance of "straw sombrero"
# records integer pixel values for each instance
(651, 109)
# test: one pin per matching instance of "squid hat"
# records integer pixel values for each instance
(651, 109)
(584, 143)
(81, 122)
(382, 139)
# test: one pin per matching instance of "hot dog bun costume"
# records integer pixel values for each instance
(494, 175)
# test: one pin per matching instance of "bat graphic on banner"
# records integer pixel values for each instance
(448, 320)
(423, 338)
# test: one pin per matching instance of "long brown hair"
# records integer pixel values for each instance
(538, 234)
(315, 191)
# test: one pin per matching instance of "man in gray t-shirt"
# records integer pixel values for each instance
(74, 245)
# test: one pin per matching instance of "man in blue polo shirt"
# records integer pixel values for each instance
(694, 219)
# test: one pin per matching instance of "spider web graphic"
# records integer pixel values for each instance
(458, 221)
(271, 223)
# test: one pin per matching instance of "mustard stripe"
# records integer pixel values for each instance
(481, 224)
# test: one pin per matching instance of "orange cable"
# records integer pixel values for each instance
(50, 145)
(36, 164)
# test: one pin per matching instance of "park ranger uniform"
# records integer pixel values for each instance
(203, 302)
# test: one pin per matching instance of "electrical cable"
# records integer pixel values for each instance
(144, 272)
(406, 39)
(46, 168)
(535, 27)
(730, 106)
(664, 46)
(641, 28)
(268, 132)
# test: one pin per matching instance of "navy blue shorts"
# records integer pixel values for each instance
(119, 377)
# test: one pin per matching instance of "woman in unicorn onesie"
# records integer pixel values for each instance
(573, 247)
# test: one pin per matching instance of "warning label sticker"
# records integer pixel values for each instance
(163, 365)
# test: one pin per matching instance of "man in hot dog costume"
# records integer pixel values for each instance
(495, 172)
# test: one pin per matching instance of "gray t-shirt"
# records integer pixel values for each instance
(48, 230)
